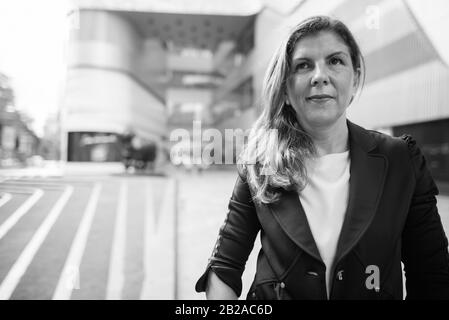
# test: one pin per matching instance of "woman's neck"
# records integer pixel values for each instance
(331, 139)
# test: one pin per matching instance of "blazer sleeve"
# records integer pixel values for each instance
(235, 239)
(424, 243)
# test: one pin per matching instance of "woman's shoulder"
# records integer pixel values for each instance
(400, 150)
(404, 152)
(389, 143)
(383, 143)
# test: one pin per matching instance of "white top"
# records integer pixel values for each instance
(325, 199)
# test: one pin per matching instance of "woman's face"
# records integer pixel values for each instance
(322, 80)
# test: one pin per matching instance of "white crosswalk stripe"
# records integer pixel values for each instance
(20, 266)
(157, 266)
(20, 212)
(5, 197)
(69, 274)
(116, 277)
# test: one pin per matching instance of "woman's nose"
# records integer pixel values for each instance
(320, 76)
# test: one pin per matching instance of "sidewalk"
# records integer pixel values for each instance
(443, 187)
(91, 168)
(202, 207)
(47, 169)
(443, 210)
(60, 168)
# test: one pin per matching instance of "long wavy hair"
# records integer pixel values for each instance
(278, 147)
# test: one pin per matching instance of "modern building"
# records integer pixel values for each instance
(156, 66)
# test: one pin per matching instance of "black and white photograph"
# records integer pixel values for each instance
(193, 150)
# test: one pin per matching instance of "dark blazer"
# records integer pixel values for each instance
(391, 218)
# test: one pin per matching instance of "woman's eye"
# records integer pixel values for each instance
(302, 65)
(336, 61)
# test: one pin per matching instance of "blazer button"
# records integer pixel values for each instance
(282, 285)
(340, 275)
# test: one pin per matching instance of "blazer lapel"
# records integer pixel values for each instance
(368, 171)
(290, 215)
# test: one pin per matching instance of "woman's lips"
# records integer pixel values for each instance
(320, 98)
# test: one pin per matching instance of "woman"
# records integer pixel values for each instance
(338, 207)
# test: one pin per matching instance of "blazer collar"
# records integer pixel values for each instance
(367, 175)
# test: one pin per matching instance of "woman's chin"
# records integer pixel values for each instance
(322, 120)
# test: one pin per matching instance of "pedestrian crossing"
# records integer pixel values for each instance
(84, 238)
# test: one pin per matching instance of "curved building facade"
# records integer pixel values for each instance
(106, 89)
